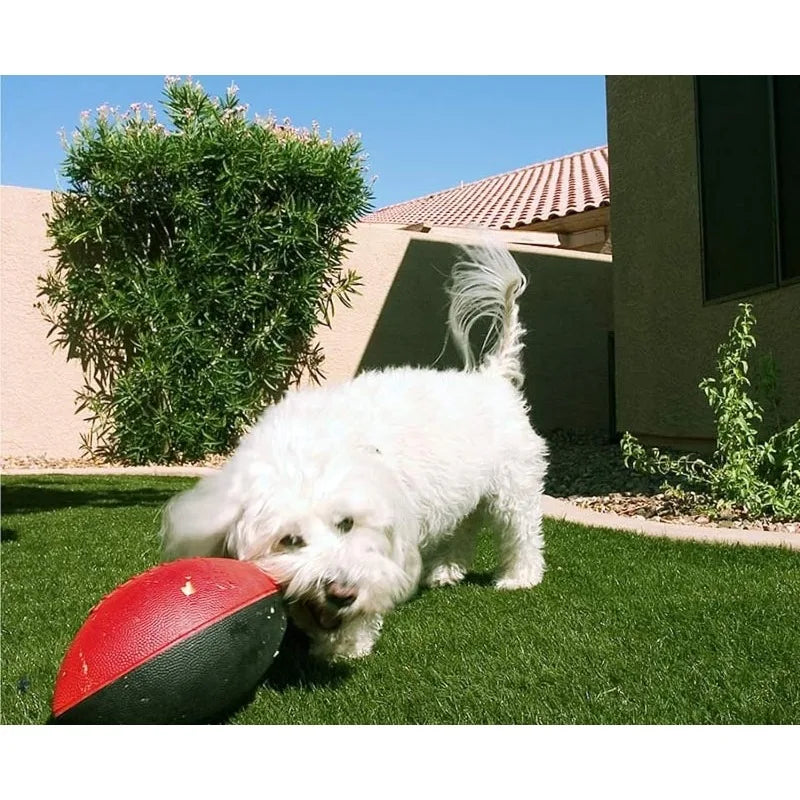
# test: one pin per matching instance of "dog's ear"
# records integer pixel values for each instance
(196, 522)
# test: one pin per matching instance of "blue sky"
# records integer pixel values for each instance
(422, 134)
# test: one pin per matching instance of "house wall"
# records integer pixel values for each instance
(398, 318)
(666, 337)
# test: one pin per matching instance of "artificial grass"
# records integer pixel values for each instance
(623, 629)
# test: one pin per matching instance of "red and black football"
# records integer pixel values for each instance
(183, 642)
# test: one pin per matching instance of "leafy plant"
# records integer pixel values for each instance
(759, 476)
(194, 262)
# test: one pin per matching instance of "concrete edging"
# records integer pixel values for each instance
(561, 509)
(551, 506)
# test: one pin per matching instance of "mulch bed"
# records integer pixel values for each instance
(664, 508)
(588, 470)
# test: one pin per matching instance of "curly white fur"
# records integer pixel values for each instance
(351, 495)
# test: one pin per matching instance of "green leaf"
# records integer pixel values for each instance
(193, 267)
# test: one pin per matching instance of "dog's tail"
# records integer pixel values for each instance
(486, 284)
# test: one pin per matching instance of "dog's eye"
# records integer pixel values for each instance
(292, 542)
(346, 525)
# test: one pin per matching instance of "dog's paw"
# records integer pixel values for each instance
(332, 650)
(527, 581)
(349, 651)
(360, 650)
(329, 655)
(445, 575)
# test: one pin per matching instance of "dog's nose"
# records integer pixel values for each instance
(340, 595)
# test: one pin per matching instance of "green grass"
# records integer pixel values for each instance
(622, 630)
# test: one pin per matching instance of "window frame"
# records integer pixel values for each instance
(777, 281)
(779, 262)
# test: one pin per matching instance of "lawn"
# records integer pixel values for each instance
(622, 630)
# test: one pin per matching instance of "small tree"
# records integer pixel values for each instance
(760, 476)
(194, 263)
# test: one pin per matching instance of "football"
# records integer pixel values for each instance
(181, 643)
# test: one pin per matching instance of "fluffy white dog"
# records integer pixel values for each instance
(351, 495)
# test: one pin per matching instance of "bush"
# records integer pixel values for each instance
(194, 263)
(760, 476)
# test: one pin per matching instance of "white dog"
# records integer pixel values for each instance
(351, 495)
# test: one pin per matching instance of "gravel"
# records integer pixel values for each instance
(44, 463)
(588, 465)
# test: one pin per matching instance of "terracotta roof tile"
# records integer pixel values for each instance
(539, 192)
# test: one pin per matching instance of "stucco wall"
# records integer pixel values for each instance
(666, 338)
(567, 311)
(37, 400)
(375, 255)
(398, 318)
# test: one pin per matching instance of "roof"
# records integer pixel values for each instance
(539, 192)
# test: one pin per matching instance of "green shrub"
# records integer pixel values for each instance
(760, 476)
(194, 262)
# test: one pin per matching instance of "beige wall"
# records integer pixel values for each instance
(567, 311)
(398, 318)
(666, 337)
(375, 255)
(37, 399)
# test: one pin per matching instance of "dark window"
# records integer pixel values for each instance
(749, 148)
(787, 157)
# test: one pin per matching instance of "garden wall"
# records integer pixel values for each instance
(398, 318)
(37, 385)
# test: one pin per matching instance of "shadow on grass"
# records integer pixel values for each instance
(294, 666)
(33, 498)
(479, 579)
(8, 535)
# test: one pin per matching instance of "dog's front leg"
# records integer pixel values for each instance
(354, 639)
